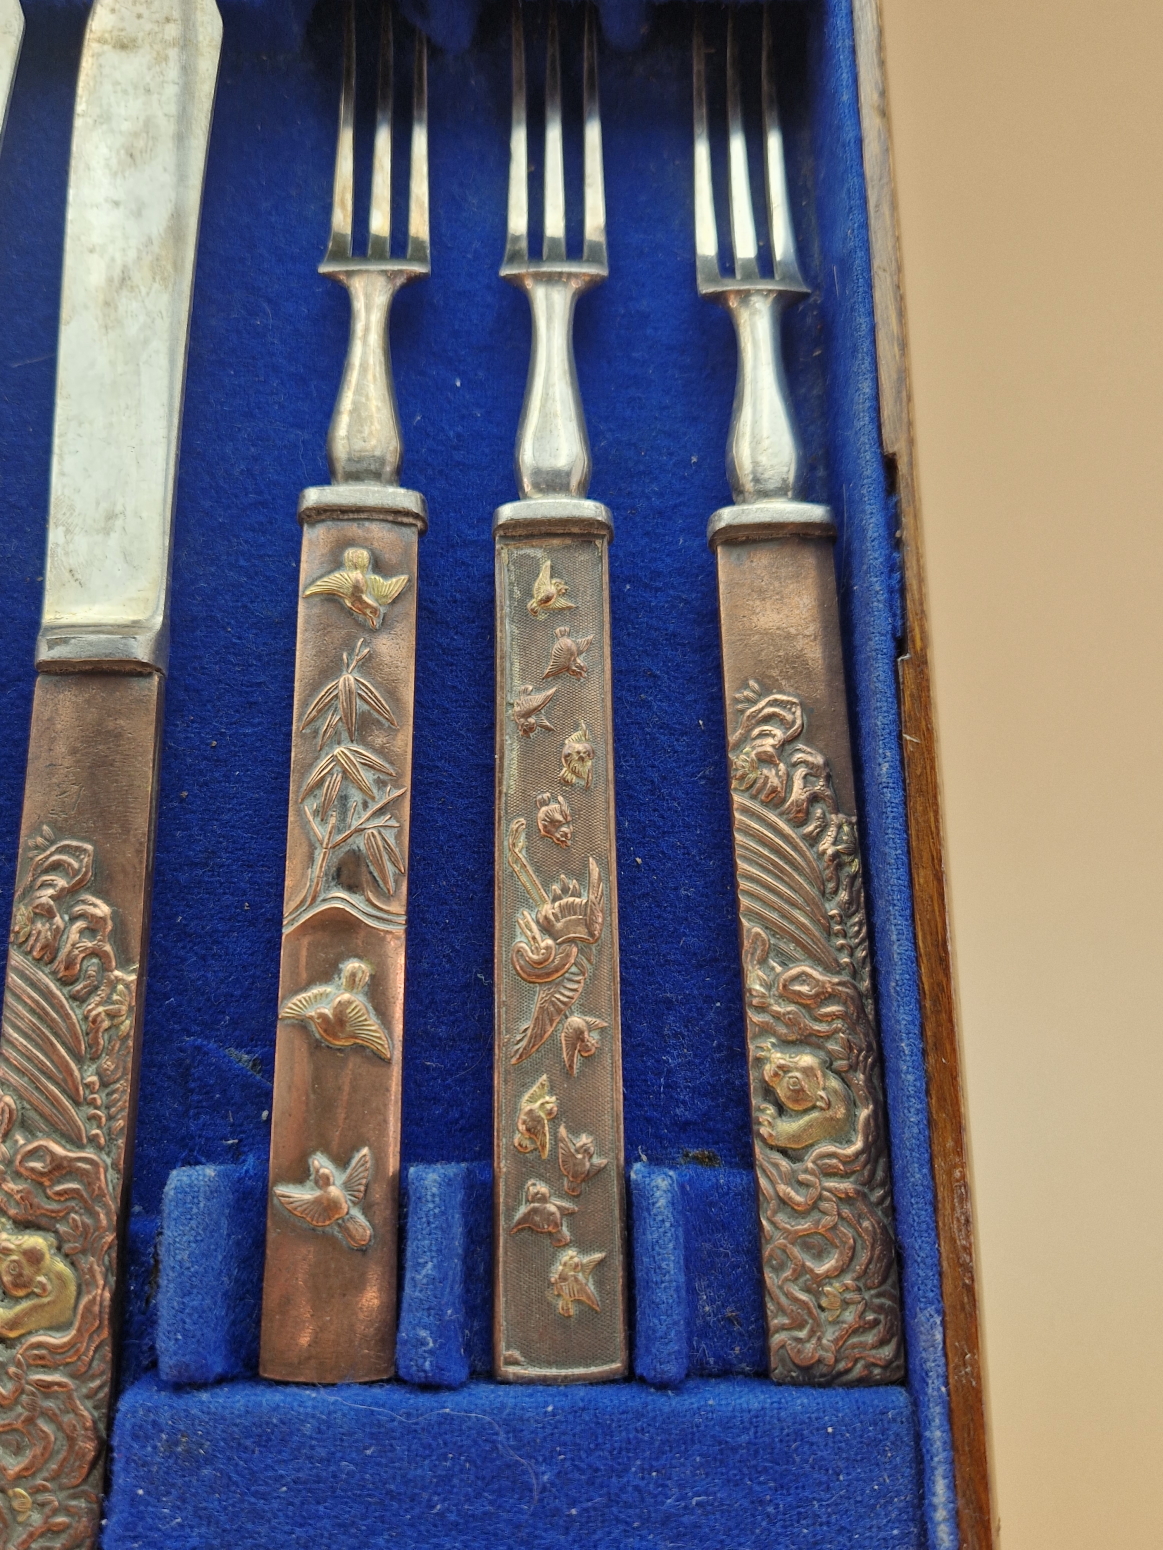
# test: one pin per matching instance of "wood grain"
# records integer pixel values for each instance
(923, 796)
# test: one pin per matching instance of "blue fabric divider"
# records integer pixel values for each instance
(657, 368)
(735, 1463)
(661, 1332)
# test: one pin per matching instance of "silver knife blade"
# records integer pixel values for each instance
(11, 33)
(140, 131)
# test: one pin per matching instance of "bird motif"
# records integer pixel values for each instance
(567, 653)
(554, 819)
(339, 1014)
(538, 1107)
(361, 590)
(575, 1158)
(577, 759)
(330, 1202)
(571, 1281)
(542, 1213)
(527, 710)
(552, 953)
(548, 592)
(579, 1040)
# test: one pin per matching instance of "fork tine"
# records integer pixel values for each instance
(553, 235)
(419, 251)
(786, 268)
(706, 229)
(380, 216)
(739, 184)
(341, 200)
(517, 237)
(594, 244)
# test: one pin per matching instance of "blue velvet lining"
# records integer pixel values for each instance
(657, 371)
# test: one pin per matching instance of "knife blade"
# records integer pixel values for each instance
(70, 1039)
(11, 34)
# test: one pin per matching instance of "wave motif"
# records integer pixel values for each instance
(829, 1265)
(65, 1064)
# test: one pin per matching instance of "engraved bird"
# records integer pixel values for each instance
(549, 954)
(575, 1158)
(331, 1199)
(578, 1039)
(542, 1213)
(339, 1014)
(567, 654)
(548, 592)
(538, 1107)
(361, 590)
(554, 819)
(527, 710)
(577, 759)
(571, 1281)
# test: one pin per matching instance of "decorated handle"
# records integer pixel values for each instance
(818, 1124)
(329, 1290)
(68, 1089)
(560, 1280)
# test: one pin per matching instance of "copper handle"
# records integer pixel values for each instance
(329, 1289)
(69, 1056)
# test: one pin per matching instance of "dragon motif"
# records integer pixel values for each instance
(829, 1268)
(65, 1066)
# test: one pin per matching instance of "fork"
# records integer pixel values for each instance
(329, 1293)
(833, 1315)
(560, 1283)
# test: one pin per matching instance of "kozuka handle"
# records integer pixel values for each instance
(560, 1279)
(821, 1150)
(329, 1291)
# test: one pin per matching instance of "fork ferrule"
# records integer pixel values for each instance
(552, 455)
(763, 449)
(364, 443)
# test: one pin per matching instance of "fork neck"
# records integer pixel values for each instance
(364, 443)
(552, 455)
(763, 448)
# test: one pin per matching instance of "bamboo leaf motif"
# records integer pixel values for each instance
(378, 859)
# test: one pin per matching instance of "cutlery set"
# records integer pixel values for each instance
(73, 997)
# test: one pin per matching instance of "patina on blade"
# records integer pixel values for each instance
(818, 1122)
(559, 1312)
(73, 997)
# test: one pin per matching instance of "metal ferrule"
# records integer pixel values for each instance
(552, 456)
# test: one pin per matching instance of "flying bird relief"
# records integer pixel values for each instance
(358, 587)
(567, 655)
(817, 1108)
(571, 1281)
(537, 1107)
(577, 1159)
(548, 593)
(543, 1214)
(577, 759)
(339, 1014)
(554, 947)
(554, 819)
(346, 802)
(528, 711)
(330, 1200)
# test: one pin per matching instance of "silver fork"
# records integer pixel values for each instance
(364, 444)
(553, 453)
(816, 1105)
(335, 1120)
(763, 451)
(558, 1097)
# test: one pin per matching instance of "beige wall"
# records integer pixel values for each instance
(1029, 157)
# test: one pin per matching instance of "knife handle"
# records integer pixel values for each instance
(818, 1122)
(329, 1288)
(559, 1313)
(69, 1054)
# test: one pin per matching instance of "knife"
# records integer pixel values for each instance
(70, 1039)
(11, 34)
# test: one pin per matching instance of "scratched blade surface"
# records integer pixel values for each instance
(144, 98)
(11, 32)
